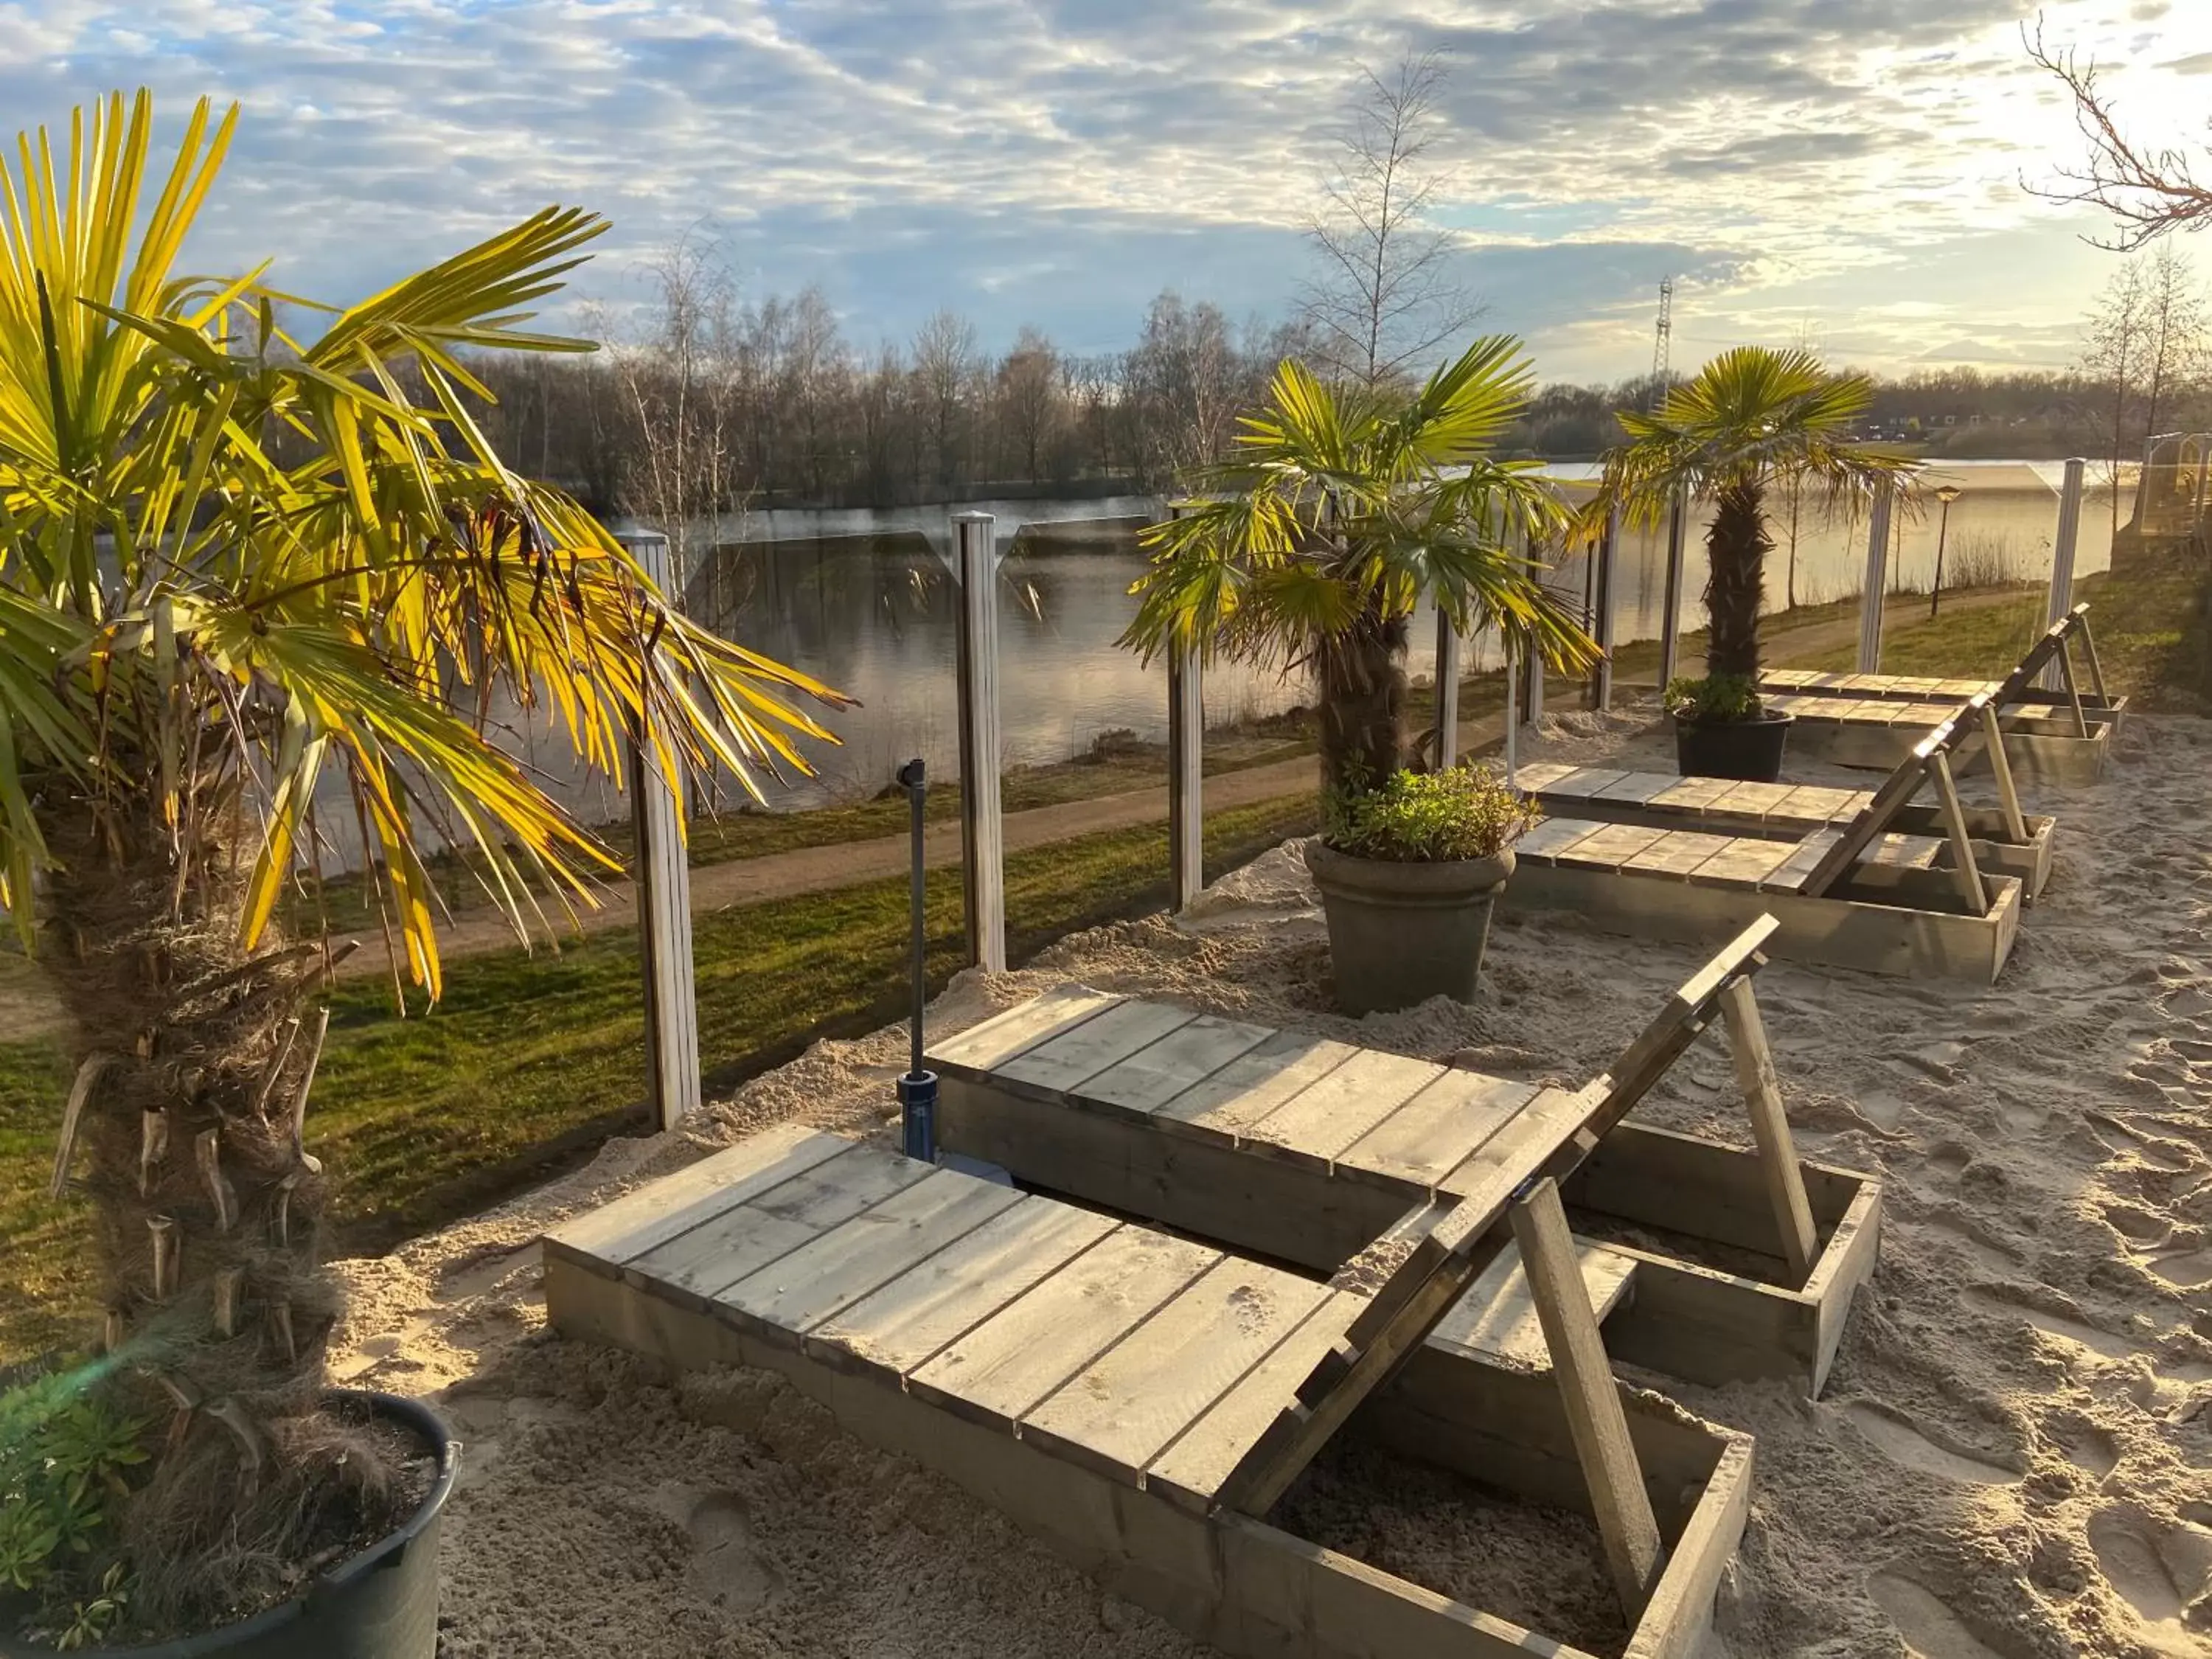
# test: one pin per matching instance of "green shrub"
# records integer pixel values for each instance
(1420, 817)
(63, 1452)
(1715, 700)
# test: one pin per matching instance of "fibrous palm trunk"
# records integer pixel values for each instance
(1361, 675)
(193, 1061)
(1737, 544)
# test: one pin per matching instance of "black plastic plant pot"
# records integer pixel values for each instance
(380, 1604)
(1748, 750)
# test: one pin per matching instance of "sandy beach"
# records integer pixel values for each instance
(2013, 1458)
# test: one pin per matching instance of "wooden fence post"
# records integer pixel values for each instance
(1670, 627)
(1877, 579)
(1608, 555)
(983, 839)
(662, 874)
(1186, 771)
(2062, 555)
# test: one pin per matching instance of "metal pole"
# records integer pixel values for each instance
(2062, 555)
(1447, 692)
(663, 877)
(917, 1090)
(1670, 631)
(1942, 535)
(1185, 773)
(983, 844)
(1877, 579)
(1512, 716)
(1534, 662)
(1609, 556)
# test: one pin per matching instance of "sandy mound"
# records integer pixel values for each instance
(2012, 1459)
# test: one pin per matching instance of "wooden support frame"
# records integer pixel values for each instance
(1770, 1128)
(663, 874)
(1966, 871)
(2065, 664)
(1993, 746)
(982, 833)
(2089, 650)
(1625, 1525)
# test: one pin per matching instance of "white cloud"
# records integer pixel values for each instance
(1059, 161)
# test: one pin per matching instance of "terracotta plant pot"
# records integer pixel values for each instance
(1401, 933)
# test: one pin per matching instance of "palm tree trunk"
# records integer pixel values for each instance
(1737, 544)
(193, 1061)
(1362, 679)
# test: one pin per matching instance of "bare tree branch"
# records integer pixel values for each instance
(2147, 191)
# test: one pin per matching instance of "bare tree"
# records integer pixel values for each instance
(2148, 192)
(1388, 294)
(2113, 360)
(943, 366)
(2173, 335)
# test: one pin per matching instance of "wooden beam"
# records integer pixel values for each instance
(1967, 872)
(982, 842)
(1626, 1524)
(2089, 650)
(2073, 691)
(663, 873)
(2015, 821)
(1769, 1128)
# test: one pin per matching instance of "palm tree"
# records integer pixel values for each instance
(1338, 512)
(235, 568)
(1753, 418)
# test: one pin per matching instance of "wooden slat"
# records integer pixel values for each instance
(660, 1210)
(1815, 805)
(741, 1241)
(1162, 1071)
(1020, 1027)
(1610, 848)
(1192, 1470)
(1753, 800)
(1691, 793)
(1323, 1119)
(1106, 1039)
(1436, 1131)
(1538, 776)
(1637, 788)
(1123, 1409)
(1496, 1319)
(998, 1372)
(1770, 1129)
(1625, 1525)
(1243, 1092)
(1670, 1031)
(795, 1293)
(1902, 852)
(898, 1327)
(1585, 781)
(1791, 874)
(1678, 853)
(1553, 837)
(1745, 863)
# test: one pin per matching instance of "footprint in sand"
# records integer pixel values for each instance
(1900, 1441)
(2133, 1566)
(725, 1563)
(1930, 1629)
(1978, 1245)
(2138, 1226)
(2051, 1324)
(2191, 1270)
(2087, 1448)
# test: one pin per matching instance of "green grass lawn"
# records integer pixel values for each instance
(531, 1060)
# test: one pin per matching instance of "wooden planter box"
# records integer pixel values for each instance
(1264, 1199)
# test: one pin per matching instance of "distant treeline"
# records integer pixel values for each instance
(722, 405)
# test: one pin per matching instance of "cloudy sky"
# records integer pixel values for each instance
(1846, 170)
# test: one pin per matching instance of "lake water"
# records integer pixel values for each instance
(865, 603)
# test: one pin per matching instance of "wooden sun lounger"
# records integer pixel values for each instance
(2007, 842)
(1876, 721)
(1138, 1400)
(1304, 1150)
(1846, 896)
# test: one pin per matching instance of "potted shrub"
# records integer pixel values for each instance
(1409, 872)
(1752, 419)
(1338, 512)
(233, 566)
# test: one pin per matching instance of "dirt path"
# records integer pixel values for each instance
(1790, 646)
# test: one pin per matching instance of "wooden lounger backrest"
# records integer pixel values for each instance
(2030, 667)
(1895, 795)
(1550, 1139)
